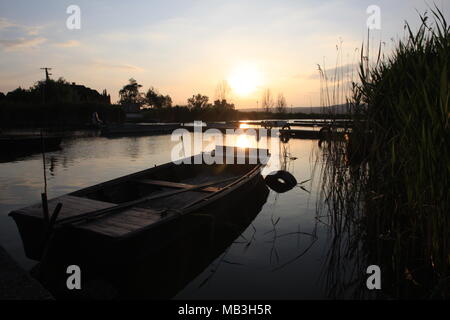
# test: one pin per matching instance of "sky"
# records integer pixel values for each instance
(186, 47)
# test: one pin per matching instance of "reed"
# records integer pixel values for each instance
(387, 186)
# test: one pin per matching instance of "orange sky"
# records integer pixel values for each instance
(183, 48)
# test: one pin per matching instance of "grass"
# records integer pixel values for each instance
(387, 186)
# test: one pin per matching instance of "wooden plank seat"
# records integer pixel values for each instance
(121, 223)
(175, 185)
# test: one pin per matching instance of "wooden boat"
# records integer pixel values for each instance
(138, 211)
(176, 264)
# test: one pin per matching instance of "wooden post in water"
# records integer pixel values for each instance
(45, 207)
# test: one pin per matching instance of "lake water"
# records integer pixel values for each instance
(282, 254)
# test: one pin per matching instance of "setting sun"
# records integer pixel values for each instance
(245, 79)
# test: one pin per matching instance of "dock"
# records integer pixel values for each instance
(129, 129)
(342, 123)
(16, 283)
(300, 134)
(289, 130)
(286, 134)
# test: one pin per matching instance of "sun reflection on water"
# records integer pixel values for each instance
(243, 141)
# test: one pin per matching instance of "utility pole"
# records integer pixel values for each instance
(47, 74)
(47, 79)
(44, 195)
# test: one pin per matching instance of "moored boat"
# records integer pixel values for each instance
(177, 263)
(138, 212)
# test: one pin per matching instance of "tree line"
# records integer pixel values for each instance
(130, 95)
(61, 91)
(55, 91)
(58, 103)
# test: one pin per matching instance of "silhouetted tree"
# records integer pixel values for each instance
(167, 101)
(19, 95)
(267, 101)
(222, 90)
(130, 94)
(156, 100)
(223, 105)
(198, 102)
(54, 91)
(152, 98)
(281, 104)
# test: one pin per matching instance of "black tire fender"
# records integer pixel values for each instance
(280, 181)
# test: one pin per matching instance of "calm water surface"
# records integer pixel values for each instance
(286, 257)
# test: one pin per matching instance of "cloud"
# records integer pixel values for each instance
(68, 44)
(21, 43)
(23, 36)
(117, 66)
(5, 24)
(33, 31)
(30, 30)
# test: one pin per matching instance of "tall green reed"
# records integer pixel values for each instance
(387, 187)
